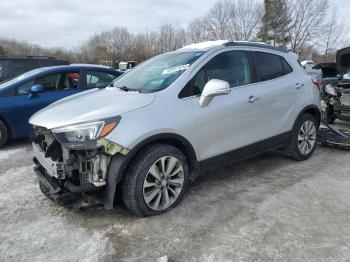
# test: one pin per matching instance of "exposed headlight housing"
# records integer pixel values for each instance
(329, 89)
(79, 134)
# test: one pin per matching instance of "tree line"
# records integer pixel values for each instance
(312, 29)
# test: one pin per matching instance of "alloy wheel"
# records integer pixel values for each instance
(163, 183)
(307, 137)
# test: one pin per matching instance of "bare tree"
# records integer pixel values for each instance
(334, 33)
(245, 19)
(220, 20)
(308, 22)
(197, 30)
(171, 37)
(2, 50)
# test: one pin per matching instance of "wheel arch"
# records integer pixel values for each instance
(172, 139)
(7, 125)
(312, 110)
(120, 163)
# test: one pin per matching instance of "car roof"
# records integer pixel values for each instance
(208, 45)
(76, 66)
(23, 57)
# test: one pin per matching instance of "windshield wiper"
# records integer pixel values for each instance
(126, 89)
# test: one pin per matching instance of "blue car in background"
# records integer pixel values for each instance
(26, 94)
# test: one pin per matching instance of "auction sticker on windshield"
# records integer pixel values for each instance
(175, 69)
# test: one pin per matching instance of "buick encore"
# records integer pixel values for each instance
(157, 127)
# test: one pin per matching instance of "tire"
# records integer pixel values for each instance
(3, 134)
(329, 115)
(45, 191)
(139, 184)
(295, 147)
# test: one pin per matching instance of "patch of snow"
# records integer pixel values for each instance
(5, 154)
(162, 259)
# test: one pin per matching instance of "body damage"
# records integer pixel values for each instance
(74, 177)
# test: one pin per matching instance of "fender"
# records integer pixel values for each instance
(309, 109)
(120, 162)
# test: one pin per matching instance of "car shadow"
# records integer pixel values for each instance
(16, 143)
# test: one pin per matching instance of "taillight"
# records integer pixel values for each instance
(317, 83)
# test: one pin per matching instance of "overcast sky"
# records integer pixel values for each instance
(68, 23)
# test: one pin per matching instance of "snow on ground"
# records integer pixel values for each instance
(5, 154)
(37, 229)
(268, 208)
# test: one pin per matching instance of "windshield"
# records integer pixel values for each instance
(8, 82)
(157, 73)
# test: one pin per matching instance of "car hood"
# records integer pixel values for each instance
(89, 106)
(343, 60)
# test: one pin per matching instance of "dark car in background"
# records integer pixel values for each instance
(12, 66)
(26, 94)
(336, 96)
(329, 73)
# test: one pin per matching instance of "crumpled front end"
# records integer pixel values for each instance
(73, 177)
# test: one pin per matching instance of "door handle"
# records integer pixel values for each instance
(298, 85)
(252, 99)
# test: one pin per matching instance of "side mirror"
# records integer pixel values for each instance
(214, 87)
(36, 89)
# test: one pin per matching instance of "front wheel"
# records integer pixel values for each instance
(3, 134)
(303, 141)
(155, 181)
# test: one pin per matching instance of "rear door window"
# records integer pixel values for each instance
(98, 79)
(270, 66)
(69, 80)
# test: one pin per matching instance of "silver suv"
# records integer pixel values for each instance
(156, 128)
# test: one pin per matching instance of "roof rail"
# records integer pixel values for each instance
(29, 56)
(257, 44)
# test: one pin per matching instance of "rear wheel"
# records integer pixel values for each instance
(155, 181)
(3, 134)
(303, 141)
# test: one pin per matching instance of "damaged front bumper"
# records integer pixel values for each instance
(75, 178)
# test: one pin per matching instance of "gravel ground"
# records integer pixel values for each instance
(269, 208)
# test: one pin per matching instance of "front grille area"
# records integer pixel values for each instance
(48, 143)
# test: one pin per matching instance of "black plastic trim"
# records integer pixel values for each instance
(245, 152)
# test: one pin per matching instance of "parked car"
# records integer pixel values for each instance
(24, 95)
(336, 95)
(12, 66)
(123, 66)
(308, 64)
(329, 73)
(170, 118)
